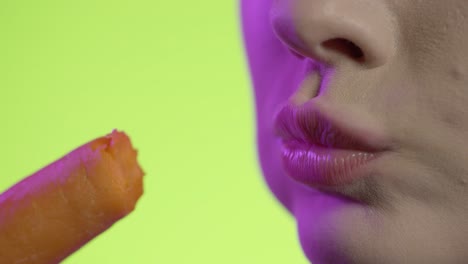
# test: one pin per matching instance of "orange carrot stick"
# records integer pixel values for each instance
(52, 213)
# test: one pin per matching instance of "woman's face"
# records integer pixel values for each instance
(405, 77)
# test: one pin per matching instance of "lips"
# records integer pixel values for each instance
(321, 148)
(311, 125)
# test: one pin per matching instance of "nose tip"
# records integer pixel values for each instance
(334, 31)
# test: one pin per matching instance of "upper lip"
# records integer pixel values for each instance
(310, 125)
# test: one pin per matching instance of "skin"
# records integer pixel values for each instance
(411, 80)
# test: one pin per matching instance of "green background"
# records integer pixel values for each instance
(173, 76)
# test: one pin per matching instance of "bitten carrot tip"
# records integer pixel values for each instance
(61, 207)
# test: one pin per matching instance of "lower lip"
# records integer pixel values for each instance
(318, 166)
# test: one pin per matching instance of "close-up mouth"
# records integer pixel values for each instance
(309, 125)
(325, 152)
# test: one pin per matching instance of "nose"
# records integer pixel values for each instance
(336, 31)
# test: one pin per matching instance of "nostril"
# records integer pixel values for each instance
(344, 46)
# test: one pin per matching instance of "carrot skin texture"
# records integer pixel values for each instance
(52, 213)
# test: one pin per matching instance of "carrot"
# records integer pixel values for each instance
(49, 215)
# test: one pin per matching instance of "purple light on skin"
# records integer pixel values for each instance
(283, 27)
(369, 53)
(276, 74)
(316, 77)
(327, 76)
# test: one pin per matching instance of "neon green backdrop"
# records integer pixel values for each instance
(174, 78)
